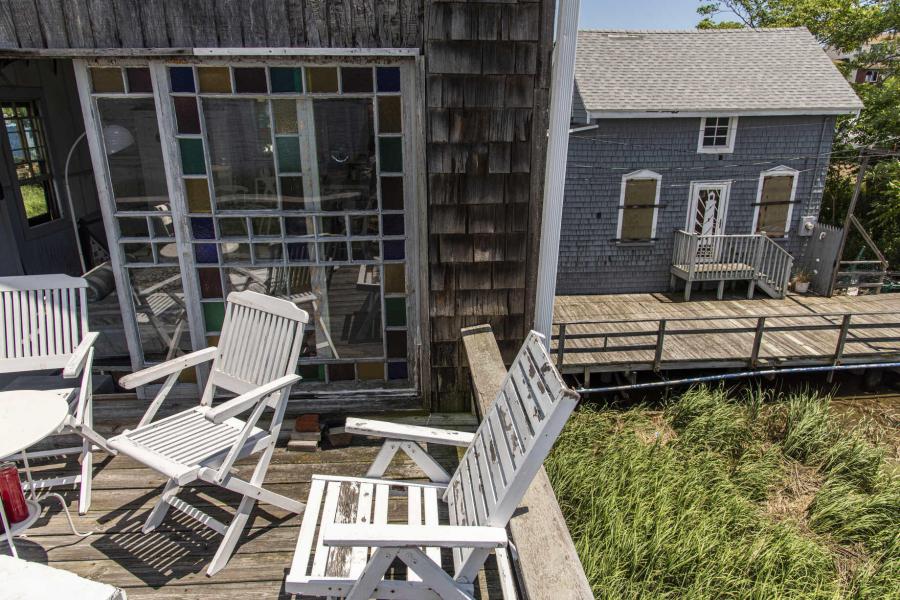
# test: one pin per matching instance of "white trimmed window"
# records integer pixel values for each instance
(717, 135)
(638, 206)
(775, 201)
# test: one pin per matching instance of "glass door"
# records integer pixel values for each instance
(285, 179)
(706, 216)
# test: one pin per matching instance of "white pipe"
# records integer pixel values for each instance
(561, 84)
(71, 206)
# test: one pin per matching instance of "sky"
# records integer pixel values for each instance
(638, 14)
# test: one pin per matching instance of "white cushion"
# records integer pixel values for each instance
(33, 581)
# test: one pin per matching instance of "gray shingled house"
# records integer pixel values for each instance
(695, 156)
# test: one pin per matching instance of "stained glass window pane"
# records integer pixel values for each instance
(213, 315)
(389, 120)
(395, 311)
(214, 80)
(286, 80)
(139, 80)
(250, 80)
(396, 344)
(342, 372)
(106, 80)
(392, 193)
(186, 114)
(370, 371)
(210, 283)
(288, 154)
(202, 228)
(182, 79)
(356, 80)
(292, 193)
(392, 224)
(388, 79)
(205, 253)
(398, 370)
(322, 80)
(394, 279)
(394, 250)
(197, 191)
(192, 160)
(390, 153)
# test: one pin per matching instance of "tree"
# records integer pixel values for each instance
(866, 31)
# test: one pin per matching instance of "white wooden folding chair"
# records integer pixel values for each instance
(44, 327)
(347, 546)
(257, 359)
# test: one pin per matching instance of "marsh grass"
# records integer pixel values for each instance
(674, 505)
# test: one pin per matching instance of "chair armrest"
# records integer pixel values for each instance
(159, 371)
(406, 536)
(412, 433)
(76, 362)
(236, 406)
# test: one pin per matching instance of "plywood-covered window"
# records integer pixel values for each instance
(638, 205)
(775, 201)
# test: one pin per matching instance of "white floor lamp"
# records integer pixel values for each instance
(115, 138)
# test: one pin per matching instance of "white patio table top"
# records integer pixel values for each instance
(28, 416)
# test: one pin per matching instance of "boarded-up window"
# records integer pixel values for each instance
(775, 205)
(638, 210)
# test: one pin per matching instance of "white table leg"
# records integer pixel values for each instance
(28, 475)
(9, 537)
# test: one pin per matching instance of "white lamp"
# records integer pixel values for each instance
(115, 139)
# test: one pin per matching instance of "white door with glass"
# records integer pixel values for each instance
(292, 180)
(706, 214)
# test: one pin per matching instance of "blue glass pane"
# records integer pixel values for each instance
(205, 253)
(398, 370)
(393, 250)
(182, 79)
(203, 228)
(388, 79)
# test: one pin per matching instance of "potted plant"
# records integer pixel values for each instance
(801, 281)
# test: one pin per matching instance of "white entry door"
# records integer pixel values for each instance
(707, 211)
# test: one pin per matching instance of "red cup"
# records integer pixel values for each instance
(11, 494)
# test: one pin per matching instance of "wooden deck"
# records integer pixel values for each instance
(622, 332)
(171, 562)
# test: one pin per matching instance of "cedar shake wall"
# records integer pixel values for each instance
(487, 80)
(590, 260)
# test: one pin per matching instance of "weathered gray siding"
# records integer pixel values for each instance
(591, 262)
(210, 23)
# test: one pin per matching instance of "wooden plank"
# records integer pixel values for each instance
(547, 560)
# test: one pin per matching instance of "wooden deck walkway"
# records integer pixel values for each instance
(622, 332)
(171, 562)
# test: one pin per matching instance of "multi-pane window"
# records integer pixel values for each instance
(775, 203)
(24, 129)
(638, 206)
(717, 134)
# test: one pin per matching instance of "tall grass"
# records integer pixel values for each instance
(672, 506)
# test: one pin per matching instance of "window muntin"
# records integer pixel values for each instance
(775, 200)
(717, 135)
(639, 201)
(294, 184)
(25, 132)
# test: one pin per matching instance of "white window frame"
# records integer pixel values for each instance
(695, 187)
(641, 174)
(728, 148)
(779, 171)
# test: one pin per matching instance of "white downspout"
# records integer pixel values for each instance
(561, 84)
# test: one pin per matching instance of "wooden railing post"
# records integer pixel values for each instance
(757, 341)
(561, 346)
(660, 338)
(839, 347)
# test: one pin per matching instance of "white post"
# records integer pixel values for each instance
(561, 84)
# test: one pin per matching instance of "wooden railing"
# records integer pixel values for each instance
(547, 564)
(652, 334)
(732, 257)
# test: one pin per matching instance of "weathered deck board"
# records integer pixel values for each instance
(171, 562)
(639, 313)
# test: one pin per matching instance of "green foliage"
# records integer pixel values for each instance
(680, 513)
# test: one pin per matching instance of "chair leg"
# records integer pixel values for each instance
(232, 535)
(87, 472)
(161, 507)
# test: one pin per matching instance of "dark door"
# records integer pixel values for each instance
(33, 203)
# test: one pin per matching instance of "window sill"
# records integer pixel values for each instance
(721, 150)
(635, 244)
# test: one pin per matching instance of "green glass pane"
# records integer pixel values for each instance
(288, 154)
(213, 315)
(286, 80)
(192, 162)
(395, 311)
(312, 372)
(390, 152)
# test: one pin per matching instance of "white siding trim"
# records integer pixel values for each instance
(642, 174)
(780, 170)
(676, 114)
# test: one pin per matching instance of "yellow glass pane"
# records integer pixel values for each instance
(197, 192)
(322, 80)
(214, 80)
(107, 80)
(394, 279)
(370, 371)
(285, 114)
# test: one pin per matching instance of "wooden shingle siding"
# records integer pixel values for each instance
(487, 77)
(37, 24)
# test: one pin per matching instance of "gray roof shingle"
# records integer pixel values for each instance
(735, 70)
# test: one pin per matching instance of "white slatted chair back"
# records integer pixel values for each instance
(43, 318)
(512, 441)
(260, 342)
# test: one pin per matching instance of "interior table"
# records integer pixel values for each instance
(27, 417)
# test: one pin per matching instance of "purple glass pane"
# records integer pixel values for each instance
(394, 250)
(205, 253)
(186, 114)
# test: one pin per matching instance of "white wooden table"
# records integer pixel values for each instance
(27, 417)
